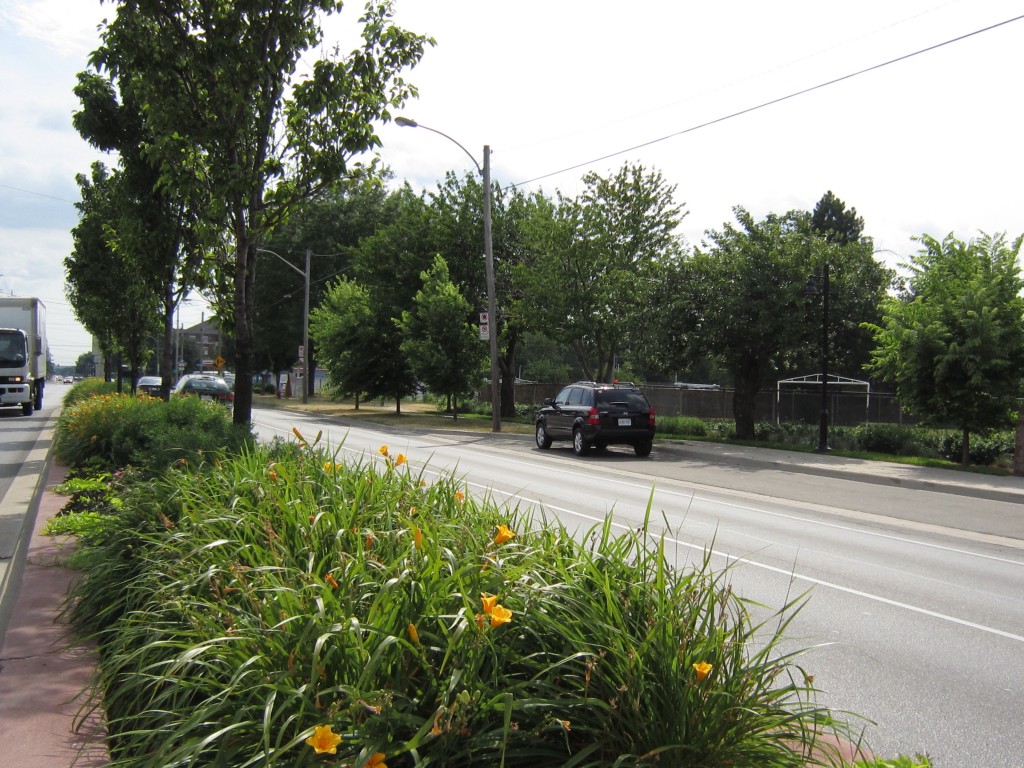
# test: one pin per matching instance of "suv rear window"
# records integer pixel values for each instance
(622, 398)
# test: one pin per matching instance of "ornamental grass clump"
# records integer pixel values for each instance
(290, 609)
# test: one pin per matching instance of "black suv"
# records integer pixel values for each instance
(597, 415)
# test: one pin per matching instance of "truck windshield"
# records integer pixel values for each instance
(12, 348)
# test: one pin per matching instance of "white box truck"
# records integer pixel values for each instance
(22, 353)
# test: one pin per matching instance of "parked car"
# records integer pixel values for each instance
(597, 415)
(205, 387)
(149, 384)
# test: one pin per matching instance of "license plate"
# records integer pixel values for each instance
(625, 422)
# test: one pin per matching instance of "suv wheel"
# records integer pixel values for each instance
(579, 445)
(643, 449)
(543, 441)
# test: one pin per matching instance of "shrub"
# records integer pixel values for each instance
(108, 432)
(892, 439)
(684, 426)
(285, 592)
(87, 388)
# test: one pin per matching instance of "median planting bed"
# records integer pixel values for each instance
(274, 606)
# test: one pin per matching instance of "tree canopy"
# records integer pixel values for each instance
(953, 343)
(229, 123)
(439, 340)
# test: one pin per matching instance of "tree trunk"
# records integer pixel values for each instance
(1018, 453)
(398, 405)
(965, 447)
(507, 366)
(744, 398)
(245, 279)
(168, 358)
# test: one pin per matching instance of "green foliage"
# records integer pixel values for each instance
(439, 342)
(237, 609)
(109, 432)
(276, 138)
(741, 301)
(883, 440)
(87, 388)
(954, 344)
(596, 260)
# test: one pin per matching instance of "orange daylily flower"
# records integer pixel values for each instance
(324, 741)
(489, 601)
(400, 459)
(417, 538)
(460, 496)
(414, 634)
(500, 615)
(329, 578)
(377, 761)
(383, 451)
(504, 534)
(703, 669)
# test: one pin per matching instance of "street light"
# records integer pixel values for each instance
(492, 312)
(305, 320)
(812, 289)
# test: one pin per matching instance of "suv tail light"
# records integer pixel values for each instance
(592, 418)
(650, 418)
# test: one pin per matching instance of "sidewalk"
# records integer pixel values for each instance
(44, 722)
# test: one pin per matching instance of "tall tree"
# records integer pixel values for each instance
(108, 282)
(439, 341)
(454, 227)
(330, 226)
(954, 342)
(230, 123)
(832, 221)
(740, 301)
(597, 259)
(153, 228)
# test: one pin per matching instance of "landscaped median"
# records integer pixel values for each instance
(276, 607)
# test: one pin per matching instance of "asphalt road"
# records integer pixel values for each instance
(915, 610)
(914, 577)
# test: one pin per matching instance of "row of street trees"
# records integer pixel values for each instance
(227, 162)
(218, 141)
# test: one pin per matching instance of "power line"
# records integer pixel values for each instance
(769, 103)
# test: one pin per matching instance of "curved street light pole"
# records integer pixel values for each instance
(492, 312)
(823, 415)
(305, 319)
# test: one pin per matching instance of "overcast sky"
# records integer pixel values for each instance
(928, 144)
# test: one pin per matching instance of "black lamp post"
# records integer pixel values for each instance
(812, 290)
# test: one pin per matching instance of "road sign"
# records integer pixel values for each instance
(218, 362)
(485, 331)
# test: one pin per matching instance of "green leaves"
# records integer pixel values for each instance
(954, 343)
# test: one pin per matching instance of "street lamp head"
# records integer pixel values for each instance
(405, 122)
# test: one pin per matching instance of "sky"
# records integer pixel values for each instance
(906, 109)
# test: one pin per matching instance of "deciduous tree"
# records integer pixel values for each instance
(439, 341)
(953, 344)
(231, 124)
(596, 260)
